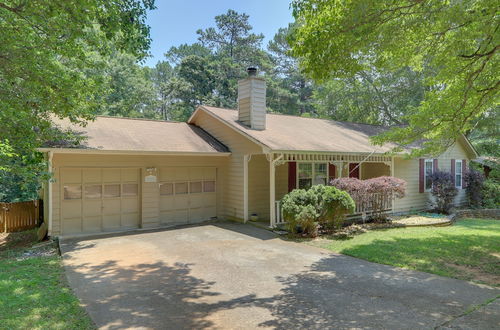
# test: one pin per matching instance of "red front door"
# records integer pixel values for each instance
(354, 170)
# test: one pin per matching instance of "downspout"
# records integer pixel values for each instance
(50, 155)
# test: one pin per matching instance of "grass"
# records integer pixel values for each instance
(33, 290)
(467, 250)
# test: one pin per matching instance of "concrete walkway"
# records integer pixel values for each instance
(238, 276)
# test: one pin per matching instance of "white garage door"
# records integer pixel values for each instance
(99, 199)
(187, 194)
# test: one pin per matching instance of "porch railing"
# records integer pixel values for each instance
(362, 207)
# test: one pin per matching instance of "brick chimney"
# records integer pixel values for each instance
(252, 100)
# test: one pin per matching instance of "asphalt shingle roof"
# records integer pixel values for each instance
(128, 134)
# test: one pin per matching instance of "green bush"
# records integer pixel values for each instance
(307, 210)
(333, 206)
(491, 194)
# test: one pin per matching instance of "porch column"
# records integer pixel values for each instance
(246, 159)
(272, 192)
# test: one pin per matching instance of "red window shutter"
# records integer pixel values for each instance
(453, 170)
(464, 169)
(435, 165)
(331, 173)
(292, 176)
(421, 175)
(354, 170)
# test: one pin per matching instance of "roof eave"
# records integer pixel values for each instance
(133, 152)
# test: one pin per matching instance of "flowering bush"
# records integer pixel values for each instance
(373, 194)
(474, 187)
(444, 190)
(307, 210)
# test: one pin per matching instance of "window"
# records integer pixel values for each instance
(195, 187)
(130, 189)
(208, 186)
(305, 174)
(72, 192)
(309, 174)
(166, 189)
(320, 173)
(458, 173)
(93, 191)
(111, 190)
(428, 170)
(181, 188)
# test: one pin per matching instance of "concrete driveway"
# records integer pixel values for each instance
(236, 276)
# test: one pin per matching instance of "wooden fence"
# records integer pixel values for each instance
(19, 216)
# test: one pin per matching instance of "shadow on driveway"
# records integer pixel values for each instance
(238, 276)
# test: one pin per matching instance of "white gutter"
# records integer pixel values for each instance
(50, 155)
(130, 152)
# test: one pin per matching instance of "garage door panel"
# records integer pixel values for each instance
(181, 216)
(167, 174)
(181, 202)
(71, 175)
(196, 215)
(92, 175)
(167, 203)
(209, 173)
(195, 173)
(130, 205)
(181, 174)
(197, 200)
(92, 224)
(210, 212)
(209, 199)
(92, 208)
(111, 175)
(167, 217)
(72, 226)
(111, 206)
(111, 222)
(71, 209)
(130, 220)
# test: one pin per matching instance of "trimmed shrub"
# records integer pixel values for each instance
(444, 190)
(306, 210)
(474, 181)
(491, 194)
(373, 193)
(333, 206)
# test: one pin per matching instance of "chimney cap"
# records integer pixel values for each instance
(252, 71)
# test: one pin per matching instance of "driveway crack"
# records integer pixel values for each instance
(468, 311)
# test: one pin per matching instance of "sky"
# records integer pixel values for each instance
(175, 22)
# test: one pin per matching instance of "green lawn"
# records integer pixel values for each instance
(34, 294)
(468, 250)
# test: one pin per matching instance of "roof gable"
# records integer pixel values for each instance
(293, 133)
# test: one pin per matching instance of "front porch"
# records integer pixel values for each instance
(268, 177)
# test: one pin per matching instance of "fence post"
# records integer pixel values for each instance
(4, 218)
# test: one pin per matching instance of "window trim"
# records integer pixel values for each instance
(459, 183)
(431, 161)
(312, 172)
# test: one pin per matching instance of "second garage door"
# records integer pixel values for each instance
(187, 194)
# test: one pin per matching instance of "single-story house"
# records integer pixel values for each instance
(220, 164)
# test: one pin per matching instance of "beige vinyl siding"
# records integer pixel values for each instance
(239, 146)
(150, 190)
(408, 170)
(281, 181)
(373, 170)
(258, 186)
